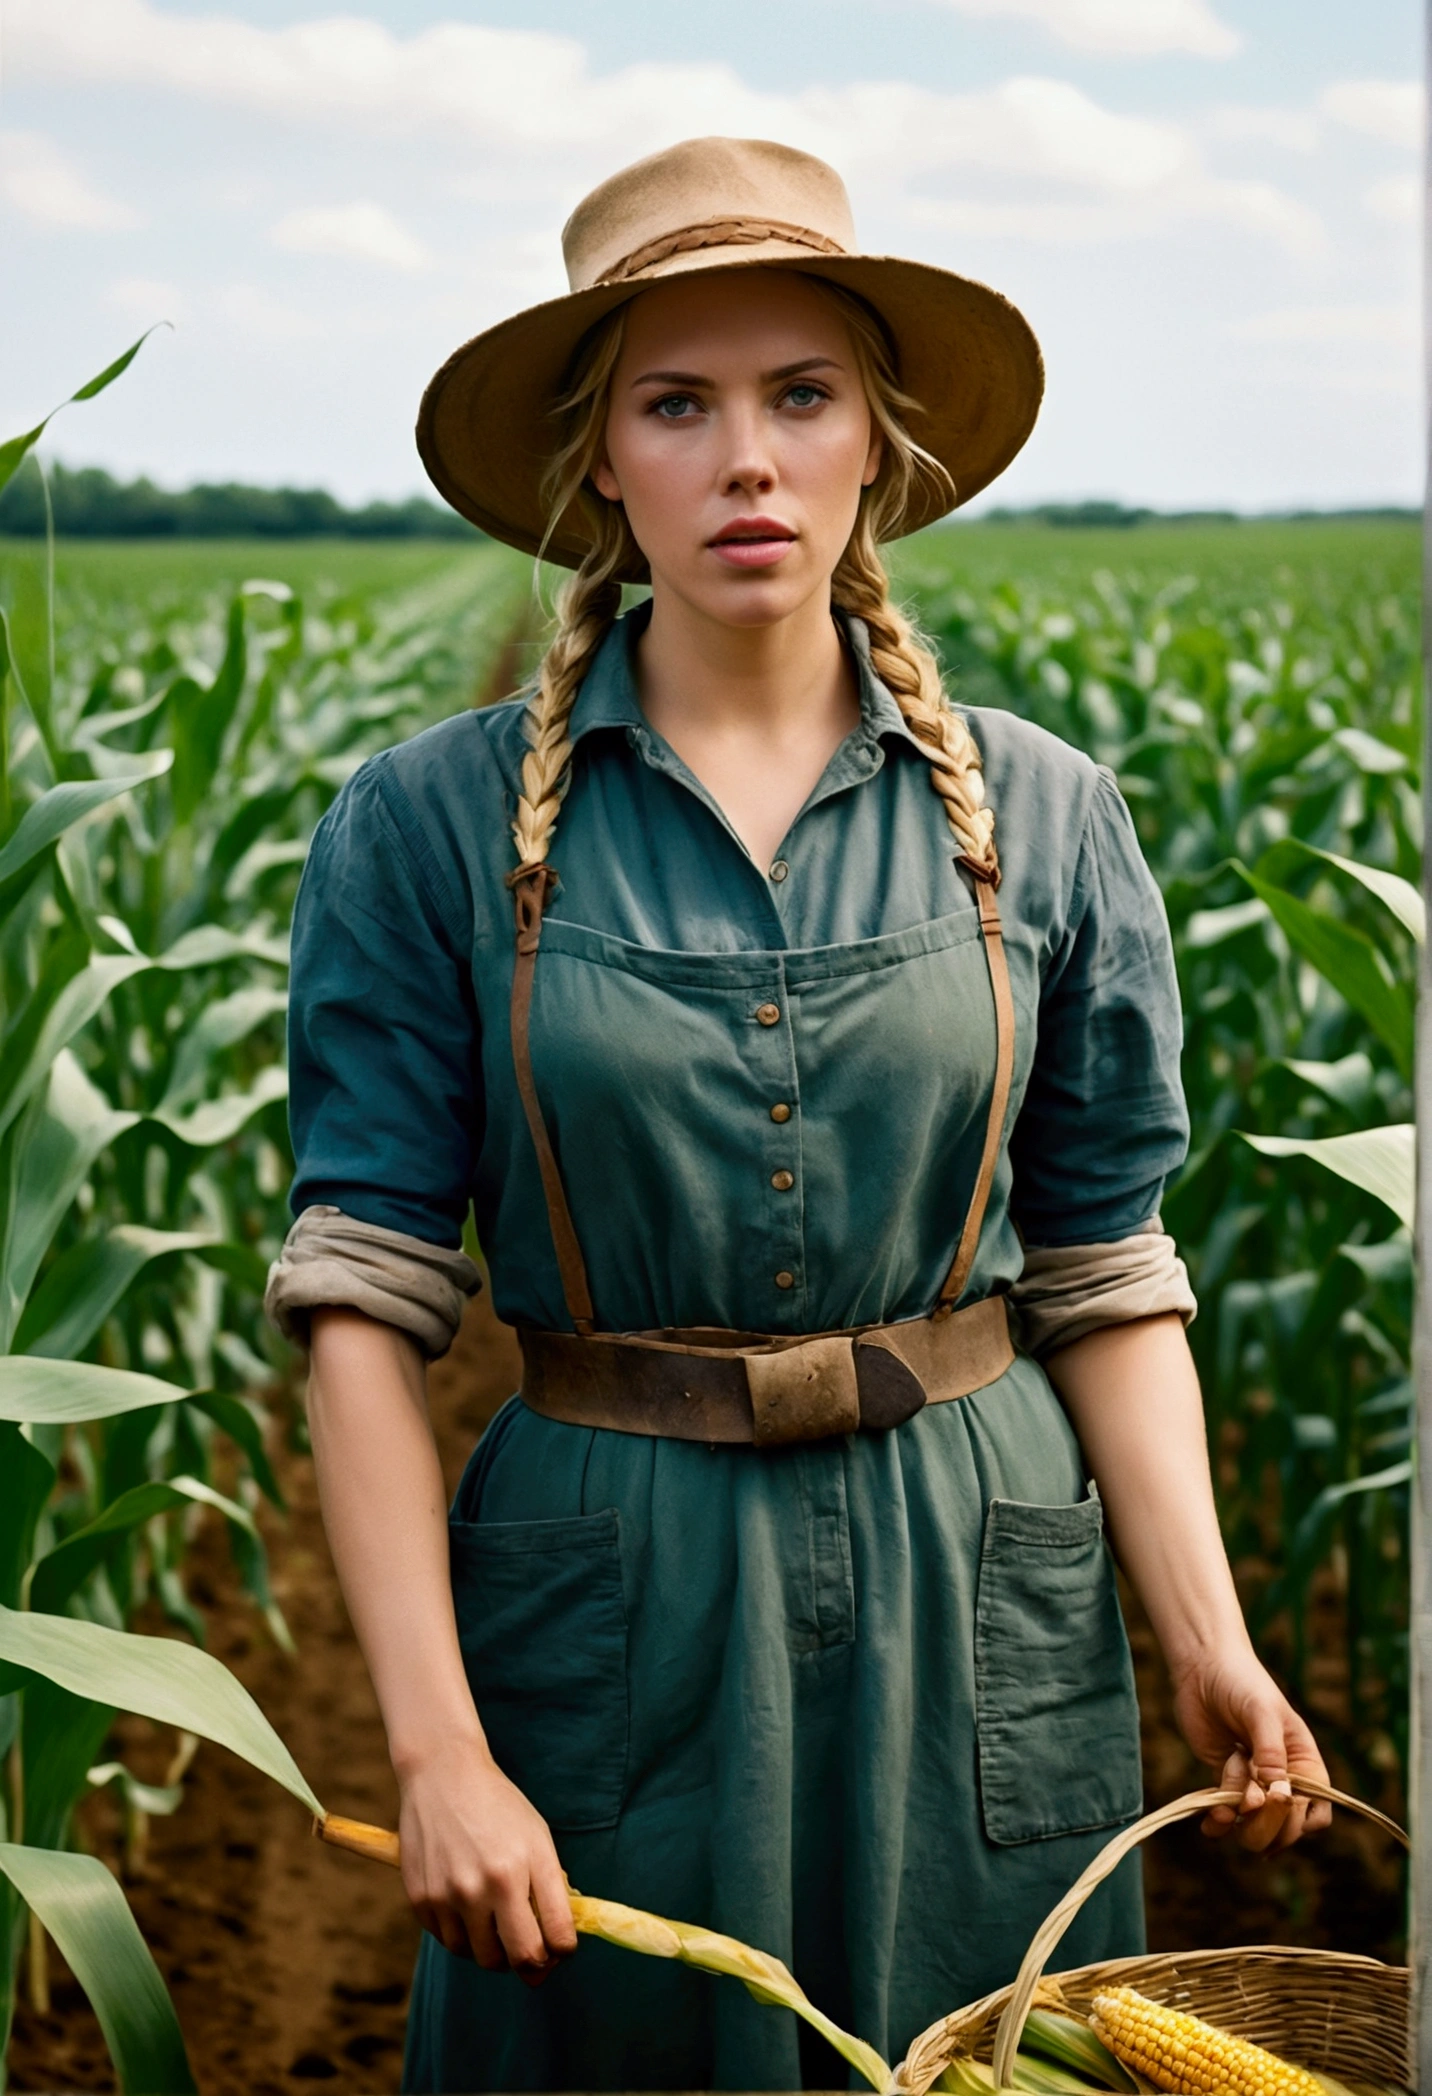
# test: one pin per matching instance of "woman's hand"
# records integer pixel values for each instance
(1237, 1719)
(479, 1865)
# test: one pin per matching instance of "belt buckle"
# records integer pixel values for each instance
(803, 1392)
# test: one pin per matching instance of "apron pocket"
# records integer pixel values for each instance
(542, 1624)
(1056, 1714)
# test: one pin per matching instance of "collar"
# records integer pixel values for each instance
(608, 697)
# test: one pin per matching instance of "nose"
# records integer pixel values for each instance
(748, 466)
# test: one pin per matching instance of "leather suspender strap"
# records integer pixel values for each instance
(531, 888)
(965, 1251)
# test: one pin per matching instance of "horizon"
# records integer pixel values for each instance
(1208, 209)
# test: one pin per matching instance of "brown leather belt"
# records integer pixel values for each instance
(764, 1390)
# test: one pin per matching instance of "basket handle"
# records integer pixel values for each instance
(1047, 1938)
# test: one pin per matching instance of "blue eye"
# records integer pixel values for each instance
(672, 406)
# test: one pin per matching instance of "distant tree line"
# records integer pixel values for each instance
(91, 504)
(1117, 516)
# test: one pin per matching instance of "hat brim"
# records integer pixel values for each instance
(486, 429)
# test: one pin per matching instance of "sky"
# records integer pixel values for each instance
(1208, 210)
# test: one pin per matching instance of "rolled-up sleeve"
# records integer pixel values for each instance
(383, 1032)
(1103, 1123)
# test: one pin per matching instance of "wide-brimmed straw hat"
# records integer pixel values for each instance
(486, 428)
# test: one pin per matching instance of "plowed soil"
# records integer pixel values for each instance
(289, 1962)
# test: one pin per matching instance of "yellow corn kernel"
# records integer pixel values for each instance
(1188, 2057)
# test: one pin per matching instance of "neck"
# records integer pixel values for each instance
(698, 675)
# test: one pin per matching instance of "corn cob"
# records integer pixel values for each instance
(1183, 2054)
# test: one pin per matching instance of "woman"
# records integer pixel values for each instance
(780, 1599)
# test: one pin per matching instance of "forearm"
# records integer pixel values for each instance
(384, 1508)
(1131, 1392)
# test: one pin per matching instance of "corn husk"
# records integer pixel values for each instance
(762, 1975)
(1070, 2043)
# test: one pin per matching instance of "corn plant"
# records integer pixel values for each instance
(1264, 728)
(156, 791)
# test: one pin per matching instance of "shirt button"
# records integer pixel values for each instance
(779, 870)
(780, 1111)
(768, 1014)
(785, 1280)
(783, 1181)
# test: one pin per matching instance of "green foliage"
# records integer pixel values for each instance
(162, 766)
(86, 1913)
(89, 504)
(1257, 693)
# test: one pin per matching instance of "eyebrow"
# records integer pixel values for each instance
(694, 378)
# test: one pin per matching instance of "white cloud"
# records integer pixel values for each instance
(1128, 28)
(1257, 207)
(530, 106)
(1395, 327)
(362, 232)
(44, 185)
(1398, 199)
(147, 299)
(248, 309)
(1292, 129)
(1390, 109)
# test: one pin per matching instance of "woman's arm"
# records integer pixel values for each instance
(478, 1861)
(1131, 1391)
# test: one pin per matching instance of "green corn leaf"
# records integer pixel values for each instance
(83, 995)
(62, 1737)
(210, 943)
(64, 1569)
(157, 1799)
(220, 1025)
(1308, 1534)
(1368, 752)
(84, 1284)
(1348, 1081)
(159, 1678)
(70, 1392)
(63, 806)
(43, 1162)
(1382, 1161)
(233, 1417)
(219, 1120)
(201, 718)
(27, 1478)
(84, 1910)
(1348, 960)
(14, 449)
(1404, 901)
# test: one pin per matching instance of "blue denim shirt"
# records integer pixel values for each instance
(663, 1090)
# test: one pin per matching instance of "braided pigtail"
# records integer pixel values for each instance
(861, 587)
(587, 604)
(910, 673)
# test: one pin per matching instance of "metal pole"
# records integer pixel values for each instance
(1420, 1771)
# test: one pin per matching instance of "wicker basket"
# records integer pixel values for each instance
(1337, 2014)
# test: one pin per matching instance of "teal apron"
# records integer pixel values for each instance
(865, 1702)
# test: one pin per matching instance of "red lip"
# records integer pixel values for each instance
(752, 530)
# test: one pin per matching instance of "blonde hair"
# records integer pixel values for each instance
(589, 602)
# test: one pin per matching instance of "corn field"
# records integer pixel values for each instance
(173, 722)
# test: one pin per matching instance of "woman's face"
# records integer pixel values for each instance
(738, 439)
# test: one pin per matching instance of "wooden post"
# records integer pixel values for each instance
(1420, 1802)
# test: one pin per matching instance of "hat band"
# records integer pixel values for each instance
(716, 232)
